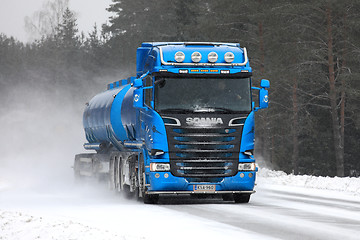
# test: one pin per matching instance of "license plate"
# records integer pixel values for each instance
(204, 188)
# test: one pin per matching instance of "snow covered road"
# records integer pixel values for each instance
(274, 212)
(287, 213)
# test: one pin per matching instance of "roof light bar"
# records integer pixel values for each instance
(246, 60)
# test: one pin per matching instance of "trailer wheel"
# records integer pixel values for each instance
(141, 177)
(150, 198)
(127, 193)
(77, 175)
(241, 198)
(112, 174)
(117, 173)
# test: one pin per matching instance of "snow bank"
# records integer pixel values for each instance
(17, 225)
(345, 184)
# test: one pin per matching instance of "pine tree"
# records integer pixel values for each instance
(67, 31)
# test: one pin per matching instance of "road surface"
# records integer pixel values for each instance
(84, 212)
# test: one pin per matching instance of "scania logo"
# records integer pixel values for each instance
(266, 98)
(202, 121)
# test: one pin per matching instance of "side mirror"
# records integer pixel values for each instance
(139, 91)
(263, 94)
(138, 83)
(138, 98)
(265, 83)
(263, 98)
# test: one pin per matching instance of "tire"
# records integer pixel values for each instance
(241, 198)
(112, 174)
(127, 193)
(118, 174)
(77, 175)
(151, 198)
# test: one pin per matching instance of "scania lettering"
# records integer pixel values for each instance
(183, 125)
(203, 121)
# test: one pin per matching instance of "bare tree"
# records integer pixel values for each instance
(44, 22)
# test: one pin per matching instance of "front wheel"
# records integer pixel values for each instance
(241, 198)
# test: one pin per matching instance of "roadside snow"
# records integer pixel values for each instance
(17, 225)
(345, 184)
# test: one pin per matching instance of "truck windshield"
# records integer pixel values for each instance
(204, 94)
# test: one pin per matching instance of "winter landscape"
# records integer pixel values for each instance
(307, 141)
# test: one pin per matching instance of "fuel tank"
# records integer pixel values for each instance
(110, 117)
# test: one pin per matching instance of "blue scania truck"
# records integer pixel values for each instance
(183, 125)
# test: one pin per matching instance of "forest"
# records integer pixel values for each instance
(309, 50)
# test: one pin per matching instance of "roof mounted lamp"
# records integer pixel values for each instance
(196, 57)
(179, 57)
(229, 57)
(212, 57)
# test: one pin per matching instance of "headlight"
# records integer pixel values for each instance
(159, 167)
(196, 57)
(179, 57)
(249, 152)
(212, 57)
(247, 167)
(229, 57)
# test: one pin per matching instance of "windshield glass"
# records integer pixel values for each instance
(202, 94)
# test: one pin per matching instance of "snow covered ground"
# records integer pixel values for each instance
(306, 207)
(96, 213)
(348, 185)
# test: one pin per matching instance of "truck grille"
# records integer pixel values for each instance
(197, 152)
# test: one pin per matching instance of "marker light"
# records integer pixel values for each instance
(159, 167)
(179, 57)
(196, 57)
(229, 57)
(212, 57)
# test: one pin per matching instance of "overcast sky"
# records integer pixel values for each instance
(13, 12)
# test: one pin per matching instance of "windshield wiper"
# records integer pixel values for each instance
(177, 110)
(201, 110)
(161, 82)
(214, 109)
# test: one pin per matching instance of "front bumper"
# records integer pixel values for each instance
(166, 183)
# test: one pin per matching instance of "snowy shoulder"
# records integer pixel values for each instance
(17, 225)
(344, 184)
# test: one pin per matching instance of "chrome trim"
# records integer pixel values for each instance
(133, 144)
(193, 192)
(170, 124)
(93, 146)
(203, 64)
(234, 125)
